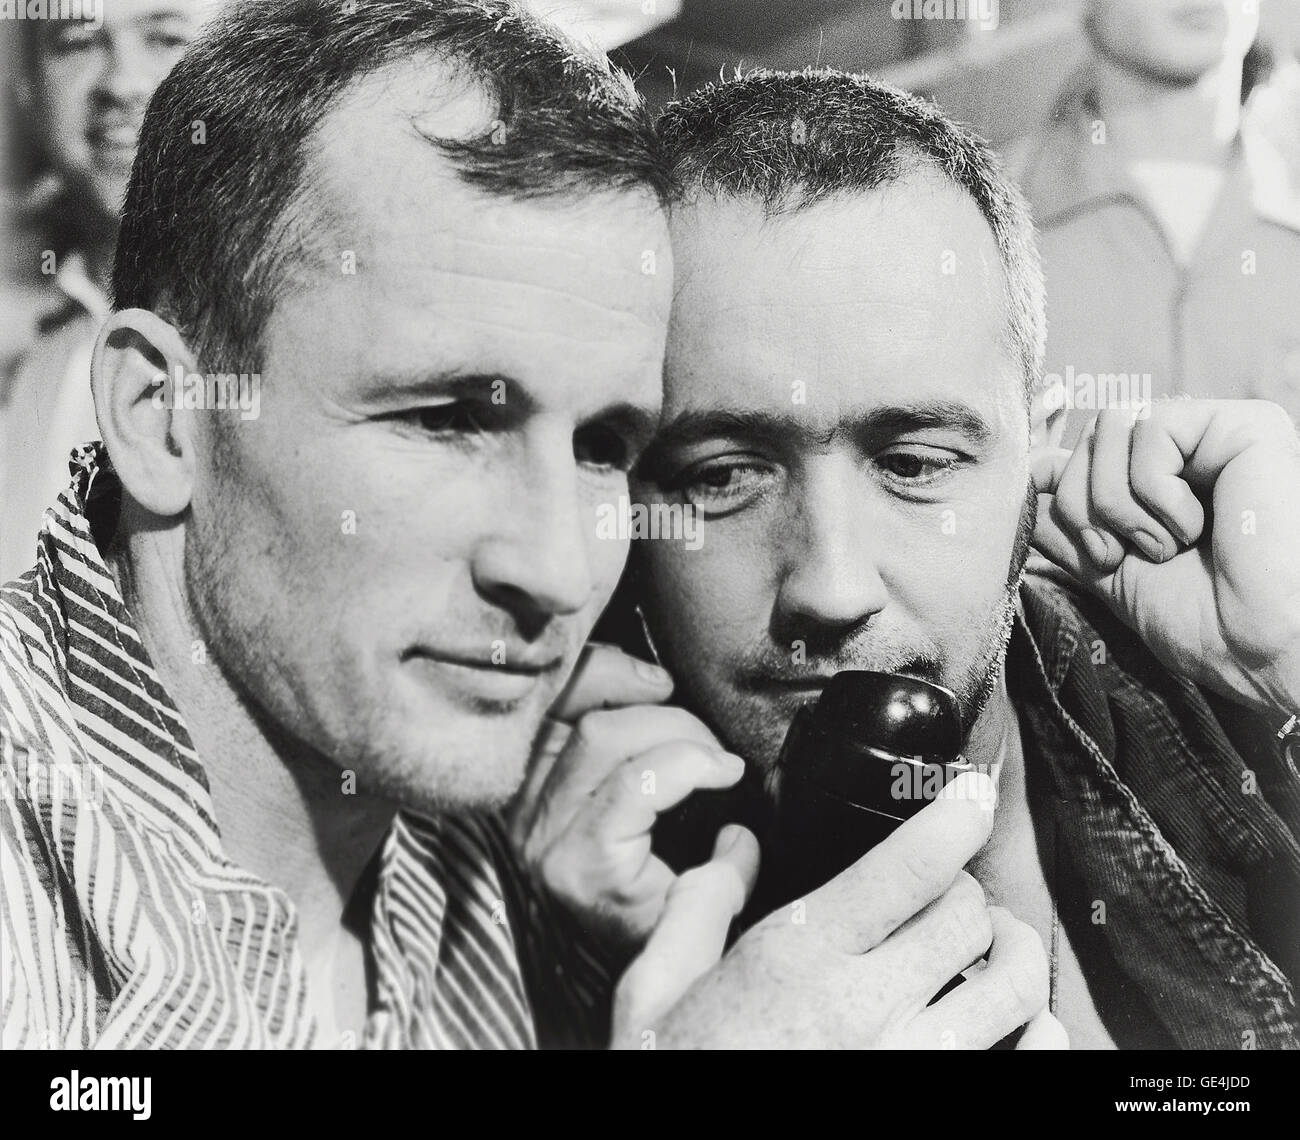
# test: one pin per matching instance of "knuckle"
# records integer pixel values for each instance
(628, 776)
(1144, 428)
(969, 889)
(557, 871)
(593, 731)
(1118, 513)
(924, 869)
(1067, 507)
(970, 925)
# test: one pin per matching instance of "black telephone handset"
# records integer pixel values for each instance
(870, 753)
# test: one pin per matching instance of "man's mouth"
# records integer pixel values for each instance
(814, 681)
(808, 684)
(502, 676)
(113, 140)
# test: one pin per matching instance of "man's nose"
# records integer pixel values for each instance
(832, 549)
(534, 560)
(127, 74)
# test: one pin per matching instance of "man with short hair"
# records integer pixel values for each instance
(850, 405)
(272, 674)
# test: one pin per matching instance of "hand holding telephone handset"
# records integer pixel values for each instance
(869, 754)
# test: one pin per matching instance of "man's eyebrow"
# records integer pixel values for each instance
(718, 423)
(453, 384)
(637, 421)
(765, 427)
(930, 415)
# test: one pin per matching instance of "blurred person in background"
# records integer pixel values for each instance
(1168, 206)
(81, 90)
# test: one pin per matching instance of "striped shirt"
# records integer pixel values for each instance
(124, 925)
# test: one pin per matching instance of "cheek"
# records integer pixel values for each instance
(63, 112)
(607, 558)
(714, 595)
(956, 562)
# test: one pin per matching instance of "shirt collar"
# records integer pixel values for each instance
(73, 570)
(74, 281)
(75, 295)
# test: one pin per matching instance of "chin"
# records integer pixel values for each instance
(453, 767)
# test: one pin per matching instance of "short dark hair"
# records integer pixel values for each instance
(792, 139)
(208, 230)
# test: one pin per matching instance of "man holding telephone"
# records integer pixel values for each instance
(853, 404)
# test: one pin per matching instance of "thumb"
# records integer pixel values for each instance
(691, 933)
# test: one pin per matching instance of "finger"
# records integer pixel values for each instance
(547, 747)
(631, 900)
(1117, 515)
(1044, 1032)
(600, 743)
(992, 1002)
(1210, 434)
(1071, 510)
(605, 854)
(911, 868)
(1054, 535)
(692, 932)
(1156, 468)
(921, 956)
(628, 801)
(605, 678)
(1051, 541)
(1046, 466)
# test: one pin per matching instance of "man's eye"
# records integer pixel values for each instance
(603, 447)
(720, 485)
(167, 41)
(918, 465)
(71, 39)
(442, 419)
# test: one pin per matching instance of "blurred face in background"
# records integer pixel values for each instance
(89, 87)
(1172, 41)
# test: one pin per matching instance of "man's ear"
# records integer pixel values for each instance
(133, 375)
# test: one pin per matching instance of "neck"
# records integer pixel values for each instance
(1149, 118)
(280, 805)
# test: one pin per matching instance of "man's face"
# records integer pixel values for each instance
(398, 560)
(1173, 41)
(839, 405)
(93, 81)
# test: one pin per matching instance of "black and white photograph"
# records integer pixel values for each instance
(651, 525)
